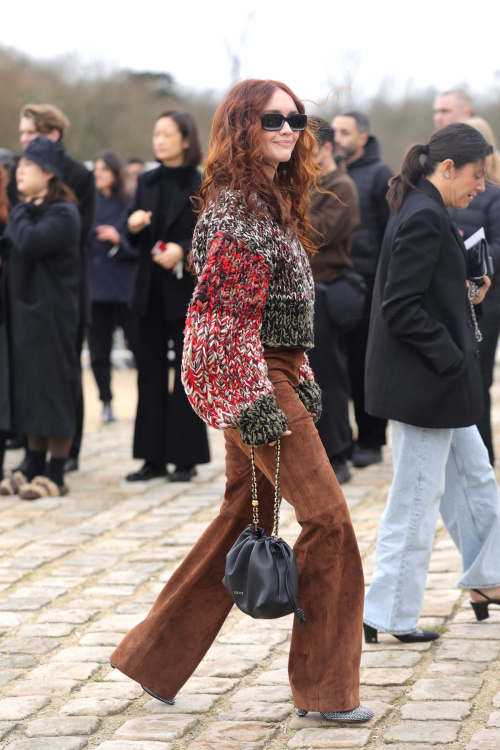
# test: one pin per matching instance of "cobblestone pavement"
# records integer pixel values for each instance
(76, 573)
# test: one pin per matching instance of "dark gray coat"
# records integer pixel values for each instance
(422, 363)
(41, 284)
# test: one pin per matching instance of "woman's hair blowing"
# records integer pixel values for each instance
(235, 160)
(459, 142)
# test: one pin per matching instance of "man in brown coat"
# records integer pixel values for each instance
(335, 215)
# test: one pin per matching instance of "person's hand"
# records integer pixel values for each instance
(288, 432)
(482, 290)
(169, 257)
(107, 233)
(139, 220)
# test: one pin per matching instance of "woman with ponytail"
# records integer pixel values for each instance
(423, 373)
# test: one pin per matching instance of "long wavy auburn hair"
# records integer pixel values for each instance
(234, 161)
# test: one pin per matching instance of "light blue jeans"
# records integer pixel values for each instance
(445, 471)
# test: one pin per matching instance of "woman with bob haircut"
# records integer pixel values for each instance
(245, 370)
(39, 374)
(425, 376)
(161, 226)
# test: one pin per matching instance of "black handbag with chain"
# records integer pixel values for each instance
(261, 570)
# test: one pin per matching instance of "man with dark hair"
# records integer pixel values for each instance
(133, 168)
(359, 151)
(335, 216)
(451, 106)
(45, 119)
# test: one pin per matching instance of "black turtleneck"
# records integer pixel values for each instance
(169, 178)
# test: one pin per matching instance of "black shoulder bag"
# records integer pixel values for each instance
(261, 570)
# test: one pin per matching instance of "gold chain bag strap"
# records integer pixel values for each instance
(261, 569)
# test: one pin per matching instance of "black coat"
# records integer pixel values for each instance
(371, 177)
(112, 269)
(422, 364)
(81, 181)
(39, 378)
(178, 226)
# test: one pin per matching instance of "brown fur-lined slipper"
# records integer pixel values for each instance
(42, 487)
(13, 484)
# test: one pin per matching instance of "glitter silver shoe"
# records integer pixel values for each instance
(355, 716)
(168, 701)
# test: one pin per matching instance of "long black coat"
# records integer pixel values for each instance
(178, 227)
(41, 281)
(422, 364)
(81, 181)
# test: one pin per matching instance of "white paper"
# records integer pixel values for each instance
(479, 235)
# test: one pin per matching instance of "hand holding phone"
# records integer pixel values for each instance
(167, 255)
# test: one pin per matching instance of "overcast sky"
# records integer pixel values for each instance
(310, 45)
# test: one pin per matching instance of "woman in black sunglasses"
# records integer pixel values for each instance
(245, 371)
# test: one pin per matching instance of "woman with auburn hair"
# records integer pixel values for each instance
(245, 371)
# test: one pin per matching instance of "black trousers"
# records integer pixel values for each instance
(329, 363)
(167, 430)
(77, 439)
(490, 328)
(105, 317)
(371, 430)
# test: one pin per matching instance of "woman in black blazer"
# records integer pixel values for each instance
(423, 373)
(161, 225)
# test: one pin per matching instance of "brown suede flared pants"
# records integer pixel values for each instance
(163, 651)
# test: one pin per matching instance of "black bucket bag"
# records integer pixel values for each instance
(261, 569)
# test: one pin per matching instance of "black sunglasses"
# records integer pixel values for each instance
(276, 121)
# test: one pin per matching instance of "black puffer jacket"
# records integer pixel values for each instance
(371, 176)
(484, 211)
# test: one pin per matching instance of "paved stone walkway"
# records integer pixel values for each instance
(76, 573)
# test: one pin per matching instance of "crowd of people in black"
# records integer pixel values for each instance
(131, 271)
(406, 324)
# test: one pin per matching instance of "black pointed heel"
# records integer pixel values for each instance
(481, 608)
(418, 636)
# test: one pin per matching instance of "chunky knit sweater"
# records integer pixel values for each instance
(254, 290)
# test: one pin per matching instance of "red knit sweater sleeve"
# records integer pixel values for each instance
(309, 391)
(223, 367)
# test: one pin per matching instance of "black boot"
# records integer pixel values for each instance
(150, 470)
(341, 470)
(183, 474)
(362, 457)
